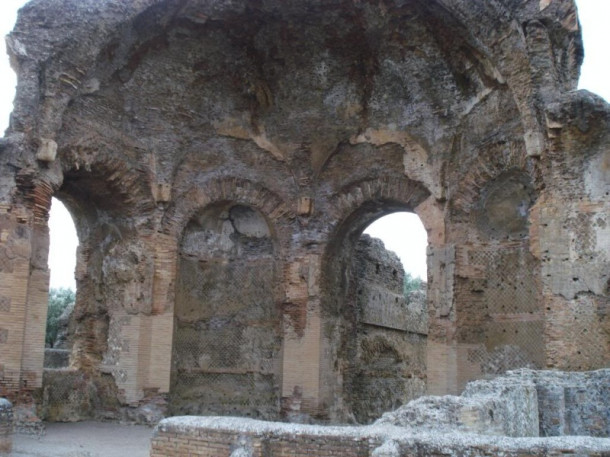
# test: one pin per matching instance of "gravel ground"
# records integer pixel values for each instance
(85, 439)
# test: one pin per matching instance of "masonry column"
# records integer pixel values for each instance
(441, 348)
(302, 337)
(24, 282)
(15, 250)
(156, 366)
(128, 277)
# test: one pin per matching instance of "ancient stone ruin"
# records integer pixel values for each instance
(221, 159)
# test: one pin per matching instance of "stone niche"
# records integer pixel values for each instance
(221, 160)
(227, 342)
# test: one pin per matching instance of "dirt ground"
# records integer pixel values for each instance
(85, 439)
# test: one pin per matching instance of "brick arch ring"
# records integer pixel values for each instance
(240, 191)
(387, 191)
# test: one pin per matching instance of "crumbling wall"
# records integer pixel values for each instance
(6, 426)
(572, 237)
(387, 358)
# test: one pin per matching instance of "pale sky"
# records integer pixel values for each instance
(401, 232)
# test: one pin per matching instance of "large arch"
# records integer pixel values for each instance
(361, 327)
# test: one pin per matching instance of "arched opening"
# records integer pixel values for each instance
(112, 266)
(63, 242)
(403, 233)
(227, 343)
(388, 367)
(61, 398)
(380, 350)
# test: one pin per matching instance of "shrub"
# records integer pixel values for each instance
(410, 284)
(59, 299)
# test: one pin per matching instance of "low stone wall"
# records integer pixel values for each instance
(501, 417)
(520, 403)
(237, 437)
(6, 426)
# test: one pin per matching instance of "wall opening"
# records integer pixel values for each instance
(380, 348)
(227, 343)
(387, 365)
(403, 233)
(62, 289)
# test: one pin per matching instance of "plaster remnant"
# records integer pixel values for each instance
(47, 152)
(388, 449)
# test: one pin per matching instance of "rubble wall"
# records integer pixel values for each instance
(243, 437)
(6, 426)
(226, 334)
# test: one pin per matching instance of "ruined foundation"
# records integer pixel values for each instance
(512, 416)
(221, 160)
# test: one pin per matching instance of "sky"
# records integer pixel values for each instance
(402, 233)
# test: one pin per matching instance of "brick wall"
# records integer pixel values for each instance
(216, 443)
(523, 413)
(230, 437)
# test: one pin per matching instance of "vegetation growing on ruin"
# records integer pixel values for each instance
(59, 299)
(410, 284)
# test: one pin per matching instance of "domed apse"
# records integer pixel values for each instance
(62, 291)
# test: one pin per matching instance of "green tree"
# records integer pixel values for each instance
(59, 299)
(410, 284)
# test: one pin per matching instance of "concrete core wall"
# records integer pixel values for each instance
(226, 354)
